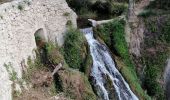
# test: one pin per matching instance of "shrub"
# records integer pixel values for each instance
(111, 8)
(113, 34)
(157, 39)
(20, 7)
(86, 13)
(160, 4)
(78, 4)
(54, 56)
(69, 23)
(11, 71)
(74, 48)
(147, 13)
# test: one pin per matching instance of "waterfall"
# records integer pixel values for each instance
(104, 68)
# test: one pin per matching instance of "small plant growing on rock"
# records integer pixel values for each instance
(66, 14)
(10, 70)
(1, 16)
(69, 23)
(20, 7)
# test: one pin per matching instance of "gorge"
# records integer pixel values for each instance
(84, 49)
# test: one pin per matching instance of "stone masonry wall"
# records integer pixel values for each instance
(19, 20)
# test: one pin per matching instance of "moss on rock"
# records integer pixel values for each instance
(113, 35)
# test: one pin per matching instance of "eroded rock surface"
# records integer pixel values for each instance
(19, 20)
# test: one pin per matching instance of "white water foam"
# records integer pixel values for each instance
(103, 64)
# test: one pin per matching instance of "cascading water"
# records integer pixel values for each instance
(104, 68)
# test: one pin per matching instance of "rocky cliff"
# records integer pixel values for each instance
(19, 21)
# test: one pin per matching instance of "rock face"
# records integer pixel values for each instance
(19, 21)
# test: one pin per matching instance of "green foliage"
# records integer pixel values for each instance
(66, 14)
(114, 36)
(97, 9)
(50, 56)
(54, 56)
(69, 23)
(166, 31)
(74, 48)
(147, 13)
(157, 39)
(11, 71)
(86, 13)
(32, 67)
(20, 7)
(87, 63)
(160, 4)
(109, 8)
(1, 16)
(78, 4)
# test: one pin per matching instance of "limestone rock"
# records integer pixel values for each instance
(19, 21)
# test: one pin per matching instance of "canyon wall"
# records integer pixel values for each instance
(19, 21)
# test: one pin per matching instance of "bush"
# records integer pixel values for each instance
(54, 56)
(147, 13)
(155, 53)
(111, 8)
(113, 34)
(78, 4)
(74, 48)
(160, 4)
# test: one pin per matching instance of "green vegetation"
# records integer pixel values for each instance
(20, 7)
(74, 49)
(155, 54)
(1, 16)
(69, 23)
(160, 4)
(147, 13)
(97, 9)
(114, 36)
(66, 14)
(11, 71)
(44, 61)
(111, 8)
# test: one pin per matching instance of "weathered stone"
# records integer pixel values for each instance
(19, 20)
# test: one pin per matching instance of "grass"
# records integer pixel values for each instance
(158, 40)
(11, 71)
(85, 13)
(74, 49)
(113, 35)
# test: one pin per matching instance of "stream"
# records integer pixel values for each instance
(107, 81)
